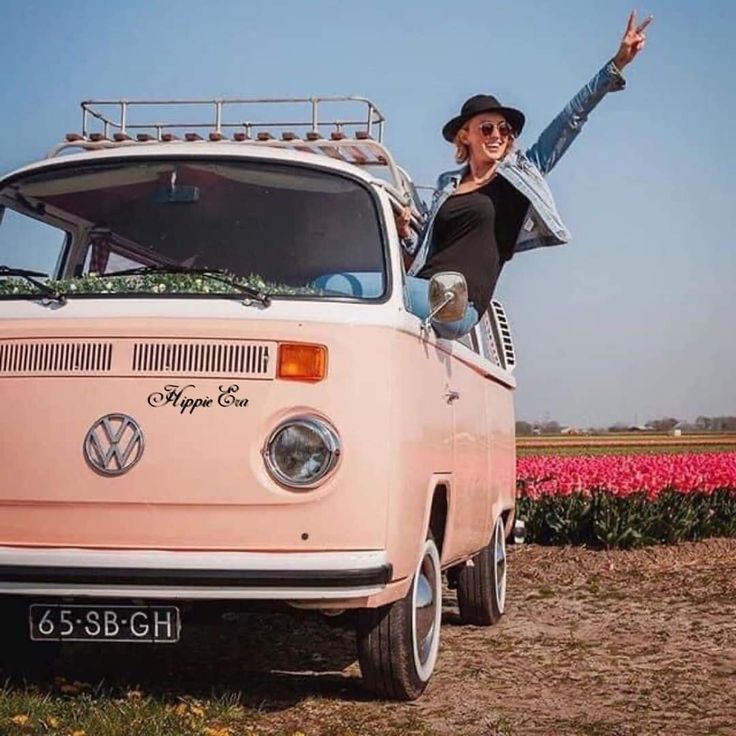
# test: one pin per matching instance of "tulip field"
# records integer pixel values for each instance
(657, 491)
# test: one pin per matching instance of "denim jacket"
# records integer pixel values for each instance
(525, 171)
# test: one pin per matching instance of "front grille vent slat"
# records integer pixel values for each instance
(203, 358)
(35, 357)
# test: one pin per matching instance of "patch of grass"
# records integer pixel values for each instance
(544, 591)
(31, 711)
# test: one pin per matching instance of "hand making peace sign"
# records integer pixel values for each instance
(632, 42)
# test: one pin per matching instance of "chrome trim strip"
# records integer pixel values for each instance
(208, 578)
(168, 593)
(186, 560)
(311, 564)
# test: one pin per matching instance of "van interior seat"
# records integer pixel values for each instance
(364, 284)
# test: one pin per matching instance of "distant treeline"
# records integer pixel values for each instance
(665, 424)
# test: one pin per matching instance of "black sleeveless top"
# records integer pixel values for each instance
(475, 234)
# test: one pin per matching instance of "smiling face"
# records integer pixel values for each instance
(488, 137)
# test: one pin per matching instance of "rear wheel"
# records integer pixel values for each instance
(398, 643)
(481, 586)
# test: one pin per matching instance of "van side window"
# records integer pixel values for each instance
(26, 242)
(470, 340)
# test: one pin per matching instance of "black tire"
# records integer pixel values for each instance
(21, 658)
(398, 643)
(481, 587)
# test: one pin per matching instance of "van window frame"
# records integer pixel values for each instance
(76, 234)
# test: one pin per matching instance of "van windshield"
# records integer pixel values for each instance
(288, 229)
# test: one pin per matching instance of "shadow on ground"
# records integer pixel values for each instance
(271, 660)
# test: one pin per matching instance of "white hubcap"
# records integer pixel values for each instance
(427, 611)
(499, 566)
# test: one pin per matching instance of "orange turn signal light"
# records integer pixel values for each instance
(302, 362)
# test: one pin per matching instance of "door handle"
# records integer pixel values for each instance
(452, 396)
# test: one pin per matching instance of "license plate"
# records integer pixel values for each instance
(149, 624)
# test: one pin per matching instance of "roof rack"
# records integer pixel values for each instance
(348, 129)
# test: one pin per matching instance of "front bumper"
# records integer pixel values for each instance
(171, 575)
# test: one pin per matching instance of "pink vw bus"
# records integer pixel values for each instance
(211, 390)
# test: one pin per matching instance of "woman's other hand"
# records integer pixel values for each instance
(632, 42)
(403, 223)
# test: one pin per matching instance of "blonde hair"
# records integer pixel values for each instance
(462, 150)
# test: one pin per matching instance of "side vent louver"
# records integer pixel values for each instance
(49, 357)
(488, 340)
(502, 336)
(204, 358)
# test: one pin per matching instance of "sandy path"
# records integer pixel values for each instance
(600, 643)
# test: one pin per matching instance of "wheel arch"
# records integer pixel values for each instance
(438, 511)
(439, 514)
(507, 512)
(509, 517)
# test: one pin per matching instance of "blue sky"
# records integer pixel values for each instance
(634, 318)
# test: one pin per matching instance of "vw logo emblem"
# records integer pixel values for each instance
(114, 444)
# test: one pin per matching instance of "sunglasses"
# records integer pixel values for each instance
(504, 129)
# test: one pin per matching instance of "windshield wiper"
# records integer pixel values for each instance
(215, 274)
(31, 277)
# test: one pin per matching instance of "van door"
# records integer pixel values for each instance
(471, 451)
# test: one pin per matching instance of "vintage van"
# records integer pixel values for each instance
(211, 390)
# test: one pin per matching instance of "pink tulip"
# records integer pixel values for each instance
(622, 475)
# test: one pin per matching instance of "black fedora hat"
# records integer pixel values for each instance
(478, 104)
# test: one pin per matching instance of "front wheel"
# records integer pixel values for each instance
(481, 586)
(398, 643)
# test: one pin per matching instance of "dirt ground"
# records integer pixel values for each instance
(601, 643)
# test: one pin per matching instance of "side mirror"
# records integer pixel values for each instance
(448, 297)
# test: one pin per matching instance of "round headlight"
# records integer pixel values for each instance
(302, 451)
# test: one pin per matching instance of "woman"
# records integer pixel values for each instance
(498, 203)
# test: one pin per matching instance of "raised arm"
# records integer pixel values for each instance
(562, 131)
